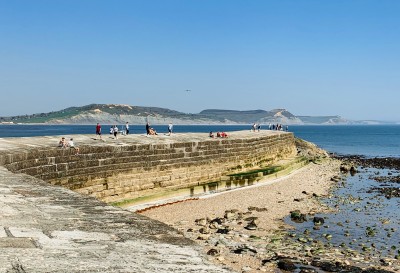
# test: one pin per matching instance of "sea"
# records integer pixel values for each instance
(363, 221)
(365, 140)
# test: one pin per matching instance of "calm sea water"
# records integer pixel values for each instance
(367, 140)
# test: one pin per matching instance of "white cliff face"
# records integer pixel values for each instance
(119, 114)
(92, 117)
(282, 120)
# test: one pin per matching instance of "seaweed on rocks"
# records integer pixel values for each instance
(386, 179)
(388, 192)
(375, 162)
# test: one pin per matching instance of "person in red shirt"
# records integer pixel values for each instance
(98, 130)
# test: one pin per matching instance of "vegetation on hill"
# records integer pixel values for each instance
(116, 113)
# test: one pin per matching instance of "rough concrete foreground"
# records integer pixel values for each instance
(45, 228)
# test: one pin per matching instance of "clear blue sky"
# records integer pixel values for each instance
(318, 57)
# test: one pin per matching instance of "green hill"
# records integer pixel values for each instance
(119, 113)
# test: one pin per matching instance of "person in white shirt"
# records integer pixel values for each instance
(72, 146)
(127, 128)
(170, 126)
(116, 131)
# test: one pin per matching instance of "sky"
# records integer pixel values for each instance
(338, 57)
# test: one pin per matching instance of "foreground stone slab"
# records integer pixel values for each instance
(45, 228)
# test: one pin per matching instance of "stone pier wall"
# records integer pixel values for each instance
(139, 168)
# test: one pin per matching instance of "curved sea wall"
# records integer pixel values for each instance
(136, 165)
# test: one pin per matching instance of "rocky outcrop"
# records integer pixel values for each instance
(309, 150)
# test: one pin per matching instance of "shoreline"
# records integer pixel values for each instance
(248, 230)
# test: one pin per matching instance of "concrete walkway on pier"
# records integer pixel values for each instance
(45, 228)
(26, 143)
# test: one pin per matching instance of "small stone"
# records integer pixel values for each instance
(252, 219)
(286, 264)
(318, 221)
(203, 237)
(229, 215)
(201, 222)
(251, 226)
(204, 230)
(384, 262)
(223, 230)
(218, 221)
(302, 240)
(213, 252)
(297, 216)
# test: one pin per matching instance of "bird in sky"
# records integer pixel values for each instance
(188, 90)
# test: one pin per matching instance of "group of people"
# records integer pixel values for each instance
(125, 130)
(219, 134)
(152, 132)
(278, 127)
(113, 130)
(63, 143)
(256, 127)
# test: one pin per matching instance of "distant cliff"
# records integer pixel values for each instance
(119, 113)
(258, 116)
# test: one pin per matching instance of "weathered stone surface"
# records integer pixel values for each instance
(45, 228)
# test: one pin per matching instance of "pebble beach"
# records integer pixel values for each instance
(265, 205)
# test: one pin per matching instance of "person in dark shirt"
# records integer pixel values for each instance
(148, 128)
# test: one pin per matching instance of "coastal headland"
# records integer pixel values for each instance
(46, 227)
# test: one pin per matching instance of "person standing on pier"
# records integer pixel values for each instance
(127, 128)
(98, 130)
(170, 126)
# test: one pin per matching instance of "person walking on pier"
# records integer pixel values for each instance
(115, 131)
